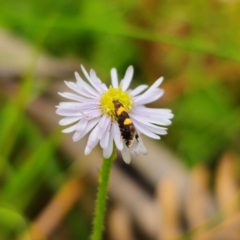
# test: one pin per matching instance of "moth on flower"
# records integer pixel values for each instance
(113, 115)
(127, 129)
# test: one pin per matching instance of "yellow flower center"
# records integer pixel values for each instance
(106, 102)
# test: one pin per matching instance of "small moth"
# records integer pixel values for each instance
(127, 129)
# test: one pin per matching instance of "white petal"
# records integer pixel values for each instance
(103, 125)
(85, 86)
(92, 114)
(152, 89)
(157, 129)
(74, 109)
(107, 152)
(85, 73)
(151, 119)
(117, 136)
(138, 147)
(105, 88)
(75, 97)
(93, 79)
(126, 154)
(96, 82)
(75, 87)
(68, 120)
(142, 148)
(69, 111)
(138, 90)
(142, 129)
(149, 97)
(79, 105)
(114, 78)
(153, 128)
(89, 106)
(69, 105)
(70, 129)
(151, 112)
(135, 148)
(78, 135)
(104, 140)
(82, 125)
(92, 141)
(155, 85)
(127, 78)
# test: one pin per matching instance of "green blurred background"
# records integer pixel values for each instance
(195, 45)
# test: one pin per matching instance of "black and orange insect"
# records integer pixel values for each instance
(127, 129)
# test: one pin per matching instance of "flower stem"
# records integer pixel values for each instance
(102, 196)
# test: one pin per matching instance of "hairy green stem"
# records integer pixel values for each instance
(100, 208)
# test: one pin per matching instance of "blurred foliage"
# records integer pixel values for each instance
(189, 42)
(208, 124)
(11, 222)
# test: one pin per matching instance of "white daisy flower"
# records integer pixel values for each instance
(93, 111)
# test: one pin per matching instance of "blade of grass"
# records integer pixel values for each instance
(13, 112)
(30, 175)
(117, 26)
